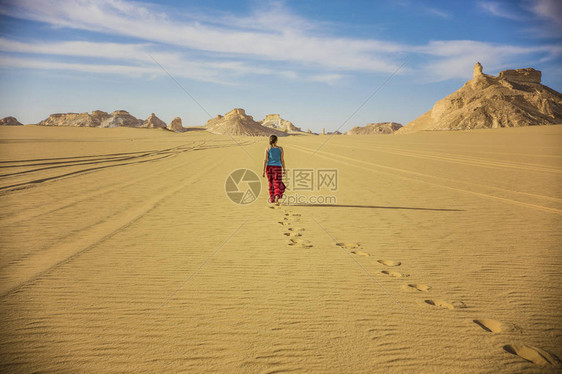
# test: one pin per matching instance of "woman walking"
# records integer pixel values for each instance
(274, 166)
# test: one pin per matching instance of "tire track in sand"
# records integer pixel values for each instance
(73, 200)
(18, 274)
(355, 162)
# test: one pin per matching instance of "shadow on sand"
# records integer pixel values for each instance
(376, 207)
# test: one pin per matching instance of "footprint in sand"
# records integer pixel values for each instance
(284, 223)
(360, 253)
(300, 243)
(394, 274)
(349, 246)
(296, 229)
(491, 325)
(389, 262)
(533, 354)
(292, 234)
(446, 305)
(419, 287)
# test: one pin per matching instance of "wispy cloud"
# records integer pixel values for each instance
(546, 15)
(438, 12)
(455, 58)
(135, 59)
(295, 45)
(418, 6)
(547, 9)
(498, 9)
(326, 78)
(271, 41)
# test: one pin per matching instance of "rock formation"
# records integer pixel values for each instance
(513, 98)
(153, 122)
(10, 121)
(121, 118)
(477, 70)
(96, 119)
(236, 122)
(275, 121)
(176, 125)
(375, 129)
(528, 75)
(76, 119)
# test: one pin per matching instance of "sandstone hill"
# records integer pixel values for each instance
(176, 125)
(121, 118)
(375, 129)
(153, 122)
(10, 121)
(117, 118)
(275, 121)
(98, 118)
(513, 98)
(236, 122)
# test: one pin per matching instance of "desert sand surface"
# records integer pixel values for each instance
(122, 253)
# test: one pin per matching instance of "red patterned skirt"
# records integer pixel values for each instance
(275, 178)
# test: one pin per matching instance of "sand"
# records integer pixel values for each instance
(122, 253)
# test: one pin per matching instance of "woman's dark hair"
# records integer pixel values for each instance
(272, 139)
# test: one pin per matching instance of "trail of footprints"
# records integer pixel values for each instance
(532, 354)
(294, 234)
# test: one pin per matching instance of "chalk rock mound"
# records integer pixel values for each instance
(176, 125)
(275, 121)
(76, 119)
(236, 122)
(375, 129)
(153, 122)
(514, 98)
(121, 118)
(98, 118)
(10, 121)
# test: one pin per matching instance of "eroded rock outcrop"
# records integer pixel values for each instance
(528, 75)
(98, 118)
(176, 125)
(375, 129)
(121, 118)
(237, 122)
(514, 98)
(153, 122)
(334, 133)
(76, 119)
(10, 121)
(275, 121)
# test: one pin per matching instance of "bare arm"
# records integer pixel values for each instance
(283, 159)
(265, 162)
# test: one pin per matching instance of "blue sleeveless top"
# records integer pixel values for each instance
(274, 157)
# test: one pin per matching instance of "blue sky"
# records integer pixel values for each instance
(314, 62)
